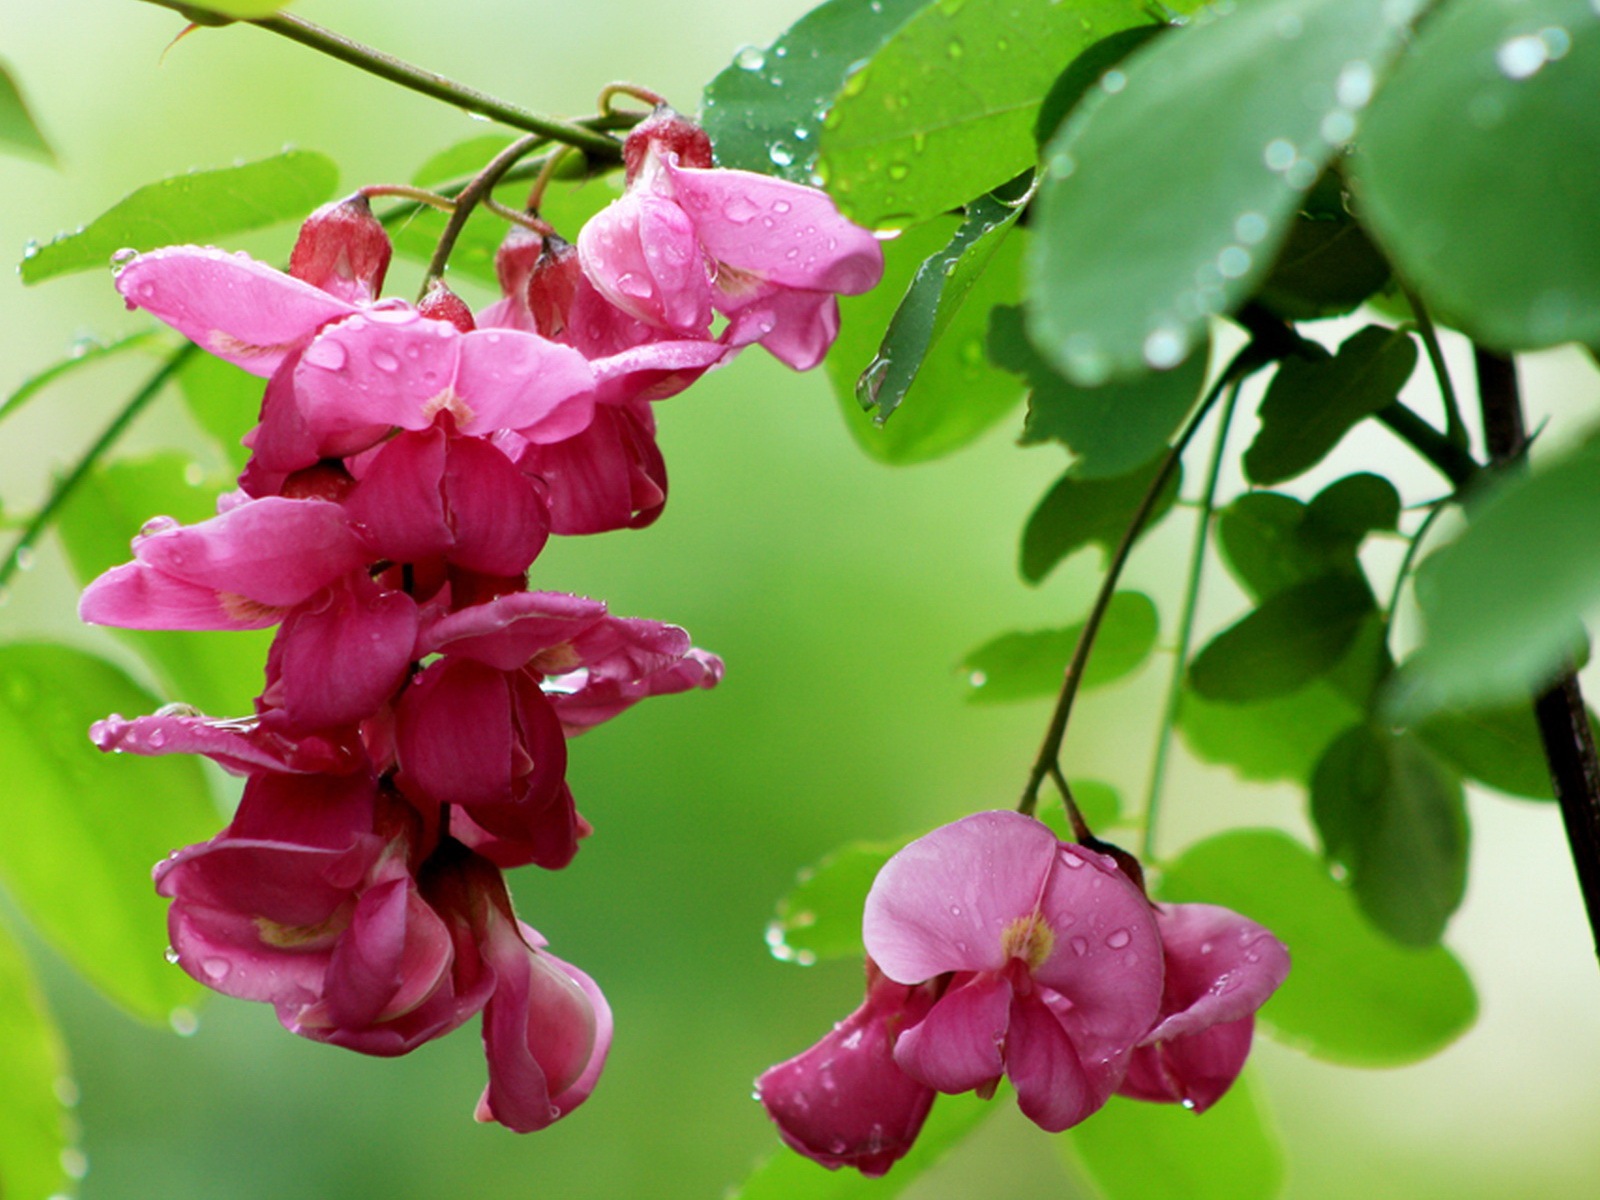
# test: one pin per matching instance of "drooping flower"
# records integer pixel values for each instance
(845, 1102)
(1055, 954)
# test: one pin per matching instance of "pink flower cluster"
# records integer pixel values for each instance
(995, 950)
(409, 464)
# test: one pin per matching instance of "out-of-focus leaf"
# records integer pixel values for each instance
(1166, 201)
(937, 292)
(84, 827)
(764, 112)
(1075, 512)
(1277, 739)
(1498, 747)
(821, 918)
(1312, 403)
(1293, 638)
(788, 1176)
(197, 207)
(957, 394)
(1494, 225)
(1271, 542)
(1390, 812)
(216, 672)
(82, 355)
(19, 133)
(1328, 266)
(224, 401)
(1112, 429)
(1026, 666)
(1502, 604)
(1352, 995)
(1135, 1150)
(33, 1125)
(462, 159)
(945, 109)
(1083, 73)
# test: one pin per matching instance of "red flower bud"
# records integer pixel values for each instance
(666, 131)
(343, 250)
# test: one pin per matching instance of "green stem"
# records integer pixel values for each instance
(63, 490)
(1455, 428)
(1191, 604)
(1413, 545)
(1454, 463)
(467, 199)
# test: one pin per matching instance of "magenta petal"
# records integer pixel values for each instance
(943, 902)
(506, 632)
(957, 1046)
(641, 254)
(133, 596)
(1053, 1090)
(1220, 967)
(338, 660)
(795, 327)
(364, 972)
(243, 747)
(376, 370)
(611, 476)
(656, 370)
(498, 521)
(454, 734)
(1195, 1070)
(238, 309)
(512, 380)
(399, 503)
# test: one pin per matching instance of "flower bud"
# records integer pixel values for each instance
(666, 131)
(343, 250)
(442, 304)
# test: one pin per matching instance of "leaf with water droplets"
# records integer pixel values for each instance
(1088, 71)
(1112, 429)
(1076, 512)
(764, 111)
(1165, 202)
(83, 828)
(937, 292)
(1352, 995)
(945, 110)
(197, 207)
(1476, 171)
(19, 133)
(1134, 1150)
(1313, 402)
(821, 917)
(33, 1123)
(1396, 817)
(1028, 666)
(1328, 264)
(957, 393)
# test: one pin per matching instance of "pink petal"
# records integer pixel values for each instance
(1195, 1070)
(240, 310)
(942, 903)
(956, 1047)
(1053, 1090)
(505, 633)
(657, 370)
(1221, 967)
(795, 327)
(134, 596)
(610, 476)
(641, 254)
(454, 734)
(399, 503)
(512, 380)
(498, 521)
(244, 747)
(336, 661)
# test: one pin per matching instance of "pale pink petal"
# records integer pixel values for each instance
(641, 254)
(240, 310)
(135, 596)
(1220, 967)
(244, 746)
(1053, 1090)
(657, 370)
(512, 380)
(957, 1046)
(944, 901)
(582, 701)
(796, 327)
(505, 633)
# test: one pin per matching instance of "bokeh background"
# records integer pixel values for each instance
(842, 594)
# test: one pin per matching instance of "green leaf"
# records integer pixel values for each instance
(1026, 666)
(1352, 995)
(1277, 739)
(1328, 264)
(1498, 747)
(945, 110)
(937, 292)
(1166, 201)
(1271, 541)
(1494, 225)
(198, 207)
(83, 353)
(1076, 512)
(244, 9)
(1389, 811)
(462, 159)
(33, 1124)
(1111, 429)
(1134, 1150)
(957, 394)
(821, 918)
(1294, 637)
(1312, 403)
(19, 133)
(764, 112)
(1083, 73)
(224, 401)
(1502, 604)
(788, 1176)
(216, 672)
(85, 827)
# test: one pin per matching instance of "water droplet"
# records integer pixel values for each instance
(1302, 173)
(385, 361)
(215, 969)
(780, 51)
(955, 910)
(801, 132)
(1338, 127)
(750, 58)
(1086, 364)
(1522, 57)
(1113, 82)
(325, 353)
(31, 249)
(25, 558)
(126, 255)
(1118, 939)
(781, 206)
(739, 209)
(1233, 262)
(1188, 1104)
(1280, 154)
(1080, 946)
(898, 170)
(184, 1022)
(780, 154)
(74, 1163)
(1165, 348)
(1071, 861)
(1355, 84)
(1205, 947)
(66, 1090)
(157, 739)
(1250, 228)
(977, 679)
(871, 382)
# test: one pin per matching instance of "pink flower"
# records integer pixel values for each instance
(688, 238)
(241, 745)
(845, 1102)
(1221, 968)
(610, 476)
(1055, 954)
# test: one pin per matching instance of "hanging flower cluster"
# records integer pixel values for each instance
(995, 950)
(409, 465)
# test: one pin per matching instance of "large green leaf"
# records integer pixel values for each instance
(84, 828)
(461, 160)
(1112, 429)
(957, 393)
(1352, 995)
(821, 917)
(19, 133)
(1312, 403)
(1390, 812)
(1027, 666)
(1503, 602)
(33, 1125)
(216, 672)
(1076, 512)
(1165, 201)
(1494, 224)
(788, 1176)
(198, 207)
(1328, 264)
(945, 110)
(765, 111)
(1134, 1150)
(1277, 739)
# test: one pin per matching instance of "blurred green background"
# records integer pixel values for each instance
(842, 594)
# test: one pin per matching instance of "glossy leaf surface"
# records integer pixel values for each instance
(821, 917)
(1027, 666)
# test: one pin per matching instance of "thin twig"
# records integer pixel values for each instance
(1455, 428)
